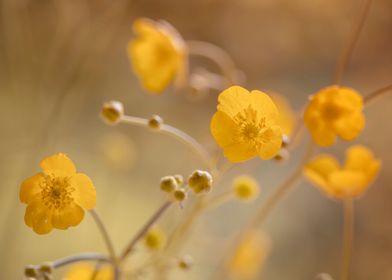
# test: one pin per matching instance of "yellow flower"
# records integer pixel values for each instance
(334, 111)
(250, 255)
(85, 271)
(246, 125)
(155, 239)
(348, 181)
(287, 118)
(157, 54)
(56, 197)
(245, 187)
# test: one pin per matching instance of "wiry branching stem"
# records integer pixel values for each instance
(348, 234)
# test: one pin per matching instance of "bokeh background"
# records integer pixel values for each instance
(61, 59)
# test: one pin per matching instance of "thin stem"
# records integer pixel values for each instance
(154, 218)
(180, 135)
(79, 258)
(105, 234)
(377, 94)
(280, 192)
(348, 48)
(348, 233)
(218, 200)
(217, 55)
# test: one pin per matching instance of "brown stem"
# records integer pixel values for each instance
(348, 235)
(376, 94)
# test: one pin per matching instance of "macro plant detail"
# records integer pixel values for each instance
(246, 125)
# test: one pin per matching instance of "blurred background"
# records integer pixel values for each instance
(61, 59)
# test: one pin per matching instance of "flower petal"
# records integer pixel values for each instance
(359, 158)
(233, 100)
(223, 128)
(264, 106)
(350, 127)
(85, 193)
(347, 184)
(70, 215)
(238, 152)
(58, 162)
(30, 188)
(320, 169)
(271, 142)
(38, 217)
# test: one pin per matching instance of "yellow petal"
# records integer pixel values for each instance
(359, 158)
(85, 193)
(320, 169)
(58, 162)
(30, 188)
(238, 152)
(271, 143)
(264, 106)
(39, 217)
(85, 271)
(349, 98)
(233, 100)
(322, 134)
(351, 126)
(347, 184)
(223, 129)
(287, 118)
(70, 215)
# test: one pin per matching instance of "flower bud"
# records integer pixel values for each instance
(31, 271)
(46, 268)
(200, 181)
(112, 112)
(155, 239)
(282, 156)
(185, 262)
(179, 195)
(245, 188)
(155, 122)
(168, 184)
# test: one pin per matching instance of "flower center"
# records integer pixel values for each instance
(331, 111)
(56, 191)
(250, 126)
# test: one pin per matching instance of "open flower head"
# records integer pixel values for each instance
(85, 271)
(347, 181)
(56, 196)
(250, 255)
(334, 111)
(157, 54)
(246, 125)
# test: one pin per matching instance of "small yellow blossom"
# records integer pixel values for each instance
(56, 196)
(348, 181)
(246, 125)
(250, 255)
(157, 54)
(85, 271)
(245, 187)
(287, 118)
(155, 239)
(334, 111)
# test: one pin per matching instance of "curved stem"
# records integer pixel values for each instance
(348, 233)
(348, 49)
(79, 258)
(179, 134)
(155, 217)
(217, 55)
(218, 200)
(105, 234)
(376, 94)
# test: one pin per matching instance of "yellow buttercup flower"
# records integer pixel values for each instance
(155, 239)
(56, 196)
(85, 271)
(347, 181)
(246, 125)
(157, 54)
(334, 111)
(250, 255)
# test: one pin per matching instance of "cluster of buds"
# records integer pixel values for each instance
(174, 186)
(200, 181)
(41, 272)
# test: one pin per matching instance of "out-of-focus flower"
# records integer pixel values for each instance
(287, 118)
(245, 188)
(158, 54)
(334, 111)
(250, 255)
(155, 239)
(348, 181)
(85, 271)
(118, 150)
(56, 197)
(246, 125)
